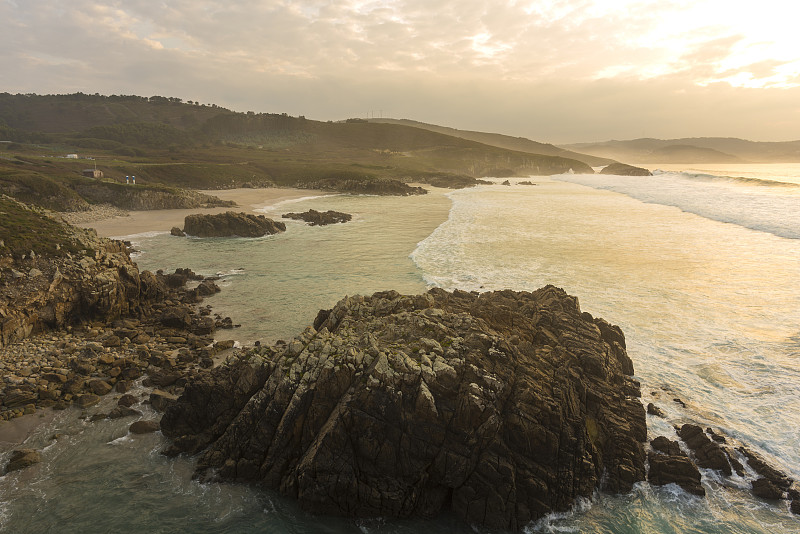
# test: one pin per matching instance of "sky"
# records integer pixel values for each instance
(556, 71)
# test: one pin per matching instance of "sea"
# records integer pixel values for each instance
(700, 266)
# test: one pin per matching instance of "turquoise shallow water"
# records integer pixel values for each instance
(707, 300)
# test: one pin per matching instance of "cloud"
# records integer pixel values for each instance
(553, 70)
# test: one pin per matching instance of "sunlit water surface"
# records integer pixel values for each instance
(700, 271)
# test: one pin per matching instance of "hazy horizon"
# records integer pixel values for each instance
(557, 72)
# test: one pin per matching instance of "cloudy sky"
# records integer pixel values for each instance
(551, 70)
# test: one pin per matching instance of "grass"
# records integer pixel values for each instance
(23, 230)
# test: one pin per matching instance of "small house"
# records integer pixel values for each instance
(71, 156)
(92, 173)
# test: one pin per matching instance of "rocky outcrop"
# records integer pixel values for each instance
(501, 407)
(230, 224)
(363, 186)
(22, 458)
(319, 218)
(51, 289)
(670, 465)
(621, 169)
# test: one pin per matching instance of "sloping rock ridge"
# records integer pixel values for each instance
(230, 224)
(501, 407)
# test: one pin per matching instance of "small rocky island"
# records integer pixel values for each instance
(229, 224)
(319, 218)
(500, 407)
(622, 169)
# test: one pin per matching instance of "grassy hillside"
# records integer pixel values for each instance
(519, 144)
(166, 142)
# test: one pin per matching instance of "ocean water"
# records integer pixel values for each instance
(699, 268)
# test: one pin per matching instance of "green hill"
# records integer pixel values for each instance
(167, 142)
(520, 144)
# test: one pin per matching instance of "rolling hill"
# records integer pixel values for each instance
(694, 150)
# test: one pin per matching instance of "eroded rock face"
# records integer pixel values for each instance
(501, 407)
(231, 224)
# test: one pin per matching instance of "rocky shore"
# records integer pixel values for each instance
(78, 318)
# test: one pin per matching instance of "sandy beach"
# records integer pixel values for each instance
(248, 200)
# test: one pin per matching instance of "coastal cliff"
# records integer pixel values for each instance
(501, 407)
(54, 274)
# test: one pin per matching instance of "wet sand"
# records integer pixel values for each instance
(248, 200)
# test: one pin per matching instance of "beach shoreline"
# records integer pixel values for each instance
(116, 224)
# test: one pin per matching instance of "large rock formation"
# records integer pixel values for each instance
(231, 224)
(501, 407)
(319, 218)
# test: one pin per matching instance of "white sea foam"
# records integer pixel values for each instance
(758, 204)
(141, 235)
(278, 206)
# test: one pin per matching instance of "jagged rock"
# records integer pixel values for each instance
(652, 409)
(670, 465)
(795, 506)
(144, 427)
(506, 183)
(765, 489)
(207, 287)
(501, 407)
(708, 453)
(319, 218)
(22, 458)
(760, 466)
(621, 169)
(177, 232)
(231, 224)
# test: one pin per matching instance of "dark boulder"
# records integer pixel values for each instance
(670, 465)
(230, 224)
(707, 453)
(319, 218)
(764, 488)
(501, 407)
(177, 232)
